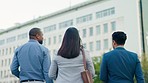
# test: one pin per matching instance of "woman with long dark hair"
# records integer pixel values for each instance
(67, 66)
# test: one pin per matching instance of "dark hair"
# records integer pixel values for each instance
(70, 47)
(34, 32)
(119, 37)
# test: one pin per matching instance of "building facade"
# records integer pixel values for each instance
(96, 20)
(144, 20)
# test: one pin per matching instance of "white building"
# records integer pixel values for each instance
(96, 20)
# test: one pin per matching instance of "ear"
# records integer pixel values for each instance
(37, 36)
(114, 43)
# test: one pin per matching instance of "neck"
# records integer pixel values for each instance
(119, 46)
(33, 37)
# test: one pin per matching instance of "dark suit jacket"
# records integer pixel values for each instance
(120, 66)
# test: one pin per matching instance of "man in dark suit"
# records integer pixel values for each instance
(120, 65)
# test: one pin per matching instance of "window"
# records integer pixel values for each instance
(2, 42)
(91, 31)
(105, 28)
(54, 39)
(112, 10)
(91, 46)
(3, 52)
(44, 42)
(5, 62)
(98, 30)
(10, 50)
(105, 44)
(15, 81)
(113, 26)
(49, 41)
(2, 62)
(54, 52)
(1, 74)
(84, 33)
(83, 19)
(106, 12)
(9, 61)
(11, 39)
(60, 38)
(65, 24)
(22, 36)
(13, 48)
(84, 45)
(50, 28)
(6, 51)
(98, 45)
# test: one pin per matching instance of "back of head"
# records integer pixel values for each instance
(33, 32)
(36, 34)
(70, 47)
(119, 37)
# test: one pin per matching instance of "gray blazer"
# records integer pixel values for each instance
(69, 70)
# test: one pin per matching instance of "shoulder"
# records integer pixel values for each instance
(43, 47)
(132, 54)
(109, 53)
(57, 58)
(86, 52)
(19, 48)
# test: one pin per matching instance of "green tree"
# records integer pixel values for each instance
(144, 63)
(97, 62)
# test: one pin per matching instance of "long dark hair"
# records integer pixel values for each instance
(70, 47)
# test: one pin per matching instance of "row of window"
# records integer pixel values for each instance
(97, 44)
(12, 81)
(106, 12)
(49, 28)
(5, 62)
(22, 36)
(91, 31)
(5, 73)
(98, 29)
(65, 24)
(82, 19)
(92, 46)
(54, 40)
(7, 51)
(13, 38)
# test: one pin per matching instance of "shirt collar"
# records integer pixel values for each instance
(33, 40)
(119, 47)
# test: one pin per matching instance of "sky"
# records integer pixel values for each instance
(20, 11)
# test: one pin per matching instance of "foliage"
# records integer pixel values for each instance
(144, 63)
(97, 62)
